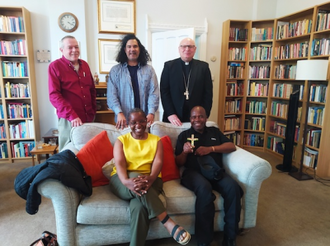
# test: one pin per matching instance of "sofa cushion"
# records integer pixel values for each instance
(81, 135)
(163, 128)
(170, 170)
(94, 155)
(103, 207)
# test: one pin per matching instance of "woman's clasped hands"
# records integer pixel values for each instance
(141, 184)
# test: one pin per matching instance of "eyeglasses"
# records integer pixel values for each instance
(187, 46)
(134, 123)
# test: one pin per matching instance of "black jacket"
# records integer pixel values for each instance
(172, 89)
(63, 166)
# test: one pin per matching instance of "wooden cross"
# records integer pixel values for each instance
(192, 139)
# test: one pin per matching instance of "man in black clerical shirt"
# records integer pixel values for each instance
(185, 83)
(208, 141)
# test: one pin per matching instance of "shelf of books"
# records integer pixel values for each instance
(103, 113)
(235, 55)
(19, 123)
(258, 75)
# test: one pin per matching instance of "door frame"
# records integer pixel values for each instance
(200, 32)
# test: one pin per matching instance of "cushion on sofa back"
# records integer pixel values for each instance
(82, 134)
(162, 128)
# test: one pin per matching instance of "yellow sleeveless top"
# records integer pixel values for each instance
(139, 154)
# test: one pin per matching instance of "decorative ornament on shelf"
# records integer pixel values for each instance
(96, 79)
(68, 22)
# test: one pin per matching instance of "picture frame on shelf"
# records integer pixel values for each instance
(116, 16)
(108, 49)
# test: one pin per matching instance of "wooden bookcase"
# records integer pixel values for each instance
(19, 117)
(103, 113)
(268, 82)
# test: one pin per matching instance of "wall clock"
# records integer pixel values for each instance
(68, 22)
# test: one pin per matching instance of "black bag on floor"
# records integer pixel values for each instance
(47, 239)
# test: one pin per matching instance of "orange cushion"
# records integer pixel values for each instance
(170, 170)
(95, 153)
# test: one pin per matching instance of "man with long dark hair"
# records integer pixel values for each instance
(132, 83)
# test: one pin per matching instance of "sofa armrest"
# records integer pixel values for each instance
(65, 202)
(71, 147)
(249, 170)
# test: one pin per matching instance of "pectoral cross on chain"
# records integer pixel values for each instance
(186, 93)
(192, 139)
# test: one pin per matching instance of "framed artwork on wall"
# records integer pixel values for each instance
(116, 16)
(108, 49)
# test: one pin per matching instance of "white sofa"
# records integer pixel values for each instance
(103, 219)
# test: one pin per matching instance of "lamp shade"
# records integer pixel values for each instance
(312, 70)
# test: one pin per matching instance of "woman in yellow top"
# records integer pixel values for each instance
(136, 178)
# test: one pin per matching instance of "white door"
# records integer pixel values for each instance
(165, 47)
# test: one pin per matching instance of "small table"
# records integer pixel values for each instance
(51, 135)
(51, 149)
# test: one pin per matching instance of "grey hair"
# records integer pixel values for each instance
(66, 37)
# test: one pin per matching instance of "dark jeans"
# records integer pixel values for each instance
(204, 207)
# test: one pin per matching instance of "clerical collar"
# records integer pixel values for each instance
(186, 63)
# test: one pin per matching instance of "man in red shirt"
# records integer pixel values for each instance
(71, 89)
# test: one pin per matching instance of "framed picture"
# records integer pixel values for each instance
(116, 16)
(108, 50)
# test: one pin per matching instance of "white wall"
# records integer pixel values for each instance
(46, 33)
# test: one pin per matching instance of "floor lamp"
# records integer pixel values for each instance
(311, 70)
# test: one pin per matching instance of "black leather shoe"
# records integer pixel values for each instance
(228, 241)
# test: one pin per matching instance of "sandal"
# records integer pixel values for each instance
(185, 240)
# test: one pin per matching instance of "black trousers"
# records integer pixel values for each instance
(204, 207)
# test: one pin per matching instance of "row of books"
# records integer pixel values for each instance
(310, 158)
(275, 144)
(262, 52)
(233, 106)
(11, 24)
(279, 128)
(289, 51)
(2, 116)
(262, 34)
(323, 20)
(279, 109)
(253, 140)
(232, 122)
(238, 34)
(318, 93)
(284, 90)
(234, 89)
(19, 110)
(235, 70)
(259, 72)
(255, 123)
(2, 131)
(313, 137)
(237, 53)
(14, 47)
(20, 90)
(287, 30)
(235, 137)
(256, 107)
(258, 89)
(24, 129)
(3, 150)
(320, 47)
(315, 115)
(285, 71)
(14, 69)
(22, 148)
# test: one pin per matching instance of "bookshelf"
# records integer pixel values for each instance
(273, 48)
(103, 114)
(19, 118)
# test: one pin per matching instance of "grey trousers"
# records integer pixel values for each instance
(64, 128)
(143, 208)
